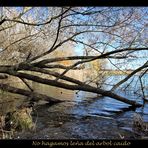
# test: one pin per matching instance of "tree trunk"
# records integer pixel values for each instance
(79, 86)
(84, 87)
(36, 96)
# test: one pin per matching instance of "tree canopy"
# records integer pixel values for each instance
(41, 40)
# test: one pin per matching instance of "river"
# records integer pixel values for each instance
(86, 115)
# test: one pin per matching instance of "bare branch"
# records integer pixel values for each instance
(130, 75)
(32, 24)
(36, 96)
(25, 82)
(142, 87)
(85, 87)
(100, 56)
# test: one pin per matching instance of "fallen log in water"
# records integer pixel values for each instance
(36, 96)
(78, 85)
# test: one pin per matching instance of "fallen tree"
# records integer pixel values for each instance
(32, 95)
(30, 43)
(78, 85)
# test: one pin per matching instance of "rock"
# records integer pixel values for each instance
(139, 124)
(19, 120)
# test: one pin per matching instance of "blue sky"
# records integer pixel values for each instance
(131, 64)
(79, 47)
(138, 25)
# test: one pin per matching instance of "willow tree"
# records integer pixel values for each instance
(38, 33)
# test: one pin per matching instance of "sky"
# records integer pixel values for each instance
(130, 64)
(142, 55)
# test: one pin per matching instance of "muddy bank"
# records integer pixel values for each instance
(51, 123)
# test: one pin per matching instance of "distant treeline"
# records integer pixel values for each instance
(117, 72)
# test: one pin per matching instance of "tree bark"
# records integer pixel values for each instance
(13, 70)
(36, 96)
(84, 87)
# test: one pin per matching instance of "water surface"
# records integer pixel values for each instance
(86, 115)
